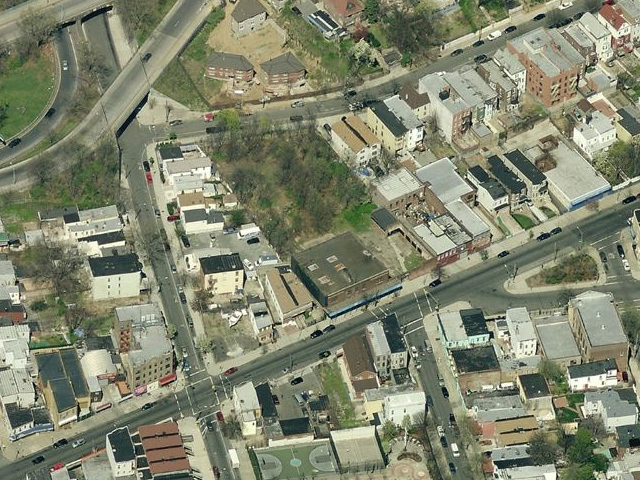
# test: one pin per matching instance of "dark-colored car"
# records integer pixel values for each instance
(316, 333)
(452, 418)
(327, 128)
(146, 166)
(230, 371)
(189, 320)
(603, 257)
(328, 328)
(61, 443)
(540, 16)
(510, 29)
(296, 118)
(620, 250)
(456, 52)
(211, 425)
(435, 283)
(556, 231)
(626, 201)
(215, 129)
(15, 142)
(445, 392)
(253, 241)
(50, 113)
(543, 236)
(276, 400)
(185, 241)
(578, 15)
(477, 44)
(503, 254)
(481, 59)
(443, 442)
(324, 354)
(37, 460)
(350, 93)
(452, 467)
(296, 381)
(183, 298)
(429, 401)
(147, 57)
(147, 406)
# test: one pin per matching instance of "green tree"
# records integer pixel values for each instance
(231, 427)
(631, 323)
(581, 451)
(238, 218)
(542, 449)
(578, 472)
(229, 118)
(600, 462)
(389, 430)
(372, 10)
(550, 370)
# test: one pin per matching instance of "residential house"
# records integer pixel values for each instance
(502, 407)
(261, 321)
(628, 437)
(247, 408)
(345, 12)
(522, 335)
(512, 68)
(518, 470)
(582, 42)
(535, 393)
(419, 103)
(386, 346)
(515, 431)
(595, 134)
(526, 171)
(628, 124)
(196, 166)
(593, 375)
(225, 66)
(286, 294)
(412, 404)
(191, 201)
(354, 142)
(359, 364)
(96, 245)
(611, 17)
(144, 346)
(490, 194)
(14, 345)
(498, 80)
(374, 399)
(169, 153)
(95, 221)
(247, 17)
(392, 121)
(164, 451)
(200, 221)
(463, 328)
(515, 187)
(121, 453)
(118, 276)
(398, 190)
(630, 10)
(16, 386)
(598, 329)
(182, 184)
(222, 274)
(553, 66)
(11, 293)
(285, 69)
(7, 274)
(556, 341)
(614, 411)
(598, 34)
(11, 311)
(21, 421)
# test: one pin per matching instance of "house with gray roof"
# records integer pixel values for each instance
(224, 66)
(285, 69)
(614, 411)
(505, 87)
(628, 124)
(512, 68)
(396, 125)
(593, 375)
(598, 34)
(247, 17)
(490, 409)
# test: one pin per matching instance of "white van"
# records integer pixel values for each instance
(455, 450)
(78, 443)
(494, 35)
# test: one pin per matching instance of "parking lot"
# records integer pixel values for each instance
(230, 241)
(289, 407)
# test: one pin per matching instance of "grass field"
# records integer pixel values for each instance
(338, 393)
(567, 415)
(524, 221)
(176, 84)
(26, 91)
(359, 217)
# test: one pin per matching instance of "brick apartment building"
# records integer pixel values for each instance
(229, 65)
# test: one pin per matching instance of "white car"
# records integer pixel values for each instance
(248, 264)
(565, 5)
(414, 352)
(625, 265)
(65, 65)
(297, 103)
(440, 431)
(494, 35)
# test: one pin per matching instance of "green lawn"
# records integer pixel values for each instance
(524, 221)
(548, 212)
(413, 261)
(377, 31)
(567, 415)
(26, 90)
(48, 342)
(575, 399)
(176, 84)
(338, 393)
(359, 217)
(503, 227)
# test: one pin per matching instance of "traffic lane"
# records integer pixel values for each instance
(97, 33)
(217, 449)
(185, 11)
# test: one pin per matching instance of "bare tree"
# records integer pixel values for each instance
(167, 110)
(59, 265)
(36, 27)
(595, 425)
(94, 70)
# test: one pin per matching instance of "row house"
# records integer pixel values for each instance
(505, 87)
(580, 40)
(598, 34)
(595, 134)
(630, 10)
(611, 17)
(354, 142)
(396, 125)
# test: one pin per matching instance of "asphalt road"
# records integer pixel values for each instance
(61, 104)
(96, 31)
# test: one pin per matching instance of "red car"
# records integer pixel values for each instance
(231, 371)
(219, 416)
(149, 177)
(208, 117)
(173, 218)
(57, 466)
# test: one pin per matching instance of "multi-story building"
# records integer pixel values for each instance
(595, 134)
(387, 346)
(95, 221)
(247, 408)
(524, 342)
(286, 294)
(354, 142)
(14, 345)
(598, 34)
(598, 329)
(261, 321)
(226, 66)
(463, 328)
(593, 375)
(490, 194)
(614, 411)
(144, 346)
(195, 166)
(285, 69)
(398, 406)
(630, 10)
(345, 12)
(121, 453)
(359, 364)
(579, 40)
(505, 87)
(394, 123)
(247, 16)
(17, 387)
(526, 171)
(164, 451)
(398, 190)
(553, 66)
(512, 68)
(222, 274)
(515, 187)
(7, 274)
(118, 276)
(611, 17)
(418, 102)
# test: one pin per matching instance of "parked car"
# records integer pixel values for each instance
(429, 401)
(15, 142)
(503, 254)
(183, 298)
(65, 65)
(556, 231)
(189, 320)
(61, 443)
(564, 5)
(452, 467)
(219, 416)
(445, 392)
(324, 354)
(211, 426)
(146, 165)
(578, 15)
(230, 371)
(456, 52)
(185, 241)
(440, 430)
(625, 265)
(276, 400)
(510, 29)
(148, 406)
(296, 118)
(620, 250)
(316, 333)
(540, 16)
(629, 199)
(176, 122)
(156, 211)
(543, 236)
(56, 466)
(37, 460)
(296, 381)
(452, 418)
(50, 113)
(478, 43)
(494, 35)
(328, 328)
(78, 443)
(147, 57)
(443, 442)
(481, 59)
(253, 241)
(173, 268)
(297, 103)
(173, 218)
(435, 283)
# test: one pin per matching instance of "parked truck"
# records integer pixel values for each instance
(233, 456)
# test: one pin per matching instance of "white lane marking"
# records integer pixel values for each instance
(417, 329)
(603, 239)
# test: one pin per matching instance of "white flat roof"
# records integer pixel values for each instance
(467, 218)
(439, 244)
(443, 180)
(396, 184)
